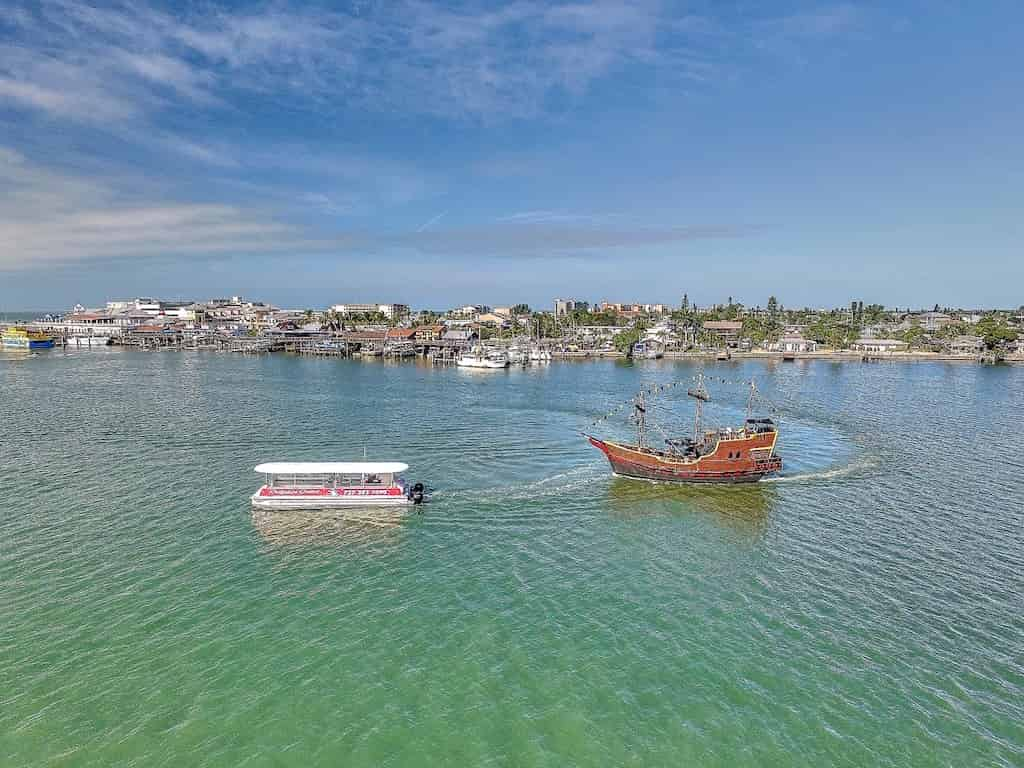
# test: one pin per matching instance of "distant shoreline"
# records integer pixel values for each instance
(844, 356)
(832, 356)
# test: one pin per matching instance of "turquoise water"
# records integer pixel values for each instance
(863, 609)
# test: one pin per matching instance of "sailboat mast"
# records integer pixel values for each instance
(750, 401)
(699, 395)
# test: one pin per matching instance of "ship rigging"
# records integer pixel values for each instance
(723, 455)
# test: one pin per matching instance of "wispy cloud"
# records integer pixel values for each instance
(431, 221)
(548, 240)
(50, 217)
(132, 61)
(547, 217)
(467, 60)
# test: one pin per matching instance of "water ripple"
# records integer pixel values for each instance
(862, 609)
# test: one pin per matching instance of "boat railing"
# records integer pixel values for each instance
(330, 480)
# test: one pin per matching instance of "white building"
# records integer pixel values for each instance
(963, 345)
(794, 342)
(469, 311)
(879, 345)
(390, 311)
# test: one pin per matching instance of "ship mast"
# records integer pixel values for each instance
(750, 400)
(699, 394)
(640, 412)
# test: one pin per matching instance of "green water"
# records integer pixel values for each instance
(865, 609)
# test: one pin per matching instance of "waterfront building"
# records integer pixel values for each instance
(96, 323)
(429, 332)
(727, 331)
(461, 336)
(879, 345)
(793, 342)
(963, 345)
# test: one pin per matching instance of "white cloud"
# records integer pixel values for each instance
(105, 65)
(409, 54)
(51, 217)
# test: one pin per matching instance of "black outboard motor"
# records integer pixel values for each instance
(417, 493)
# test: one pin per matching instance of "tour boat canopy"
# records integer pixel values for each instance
(332, 468)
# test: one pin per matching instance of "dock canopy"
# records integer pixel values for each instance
(332, 468)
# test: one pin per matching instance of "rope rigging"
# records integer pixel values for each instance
(655, 405)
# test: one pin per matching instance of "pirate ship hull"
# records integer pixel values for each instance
(745, 458)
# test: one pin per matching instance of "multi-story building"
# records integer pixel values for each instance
(634, 309)
(390, 311)
(565, 307)
(429, 332)
(469, 311)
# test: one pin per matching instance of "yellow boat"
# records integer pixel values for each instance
(23, 338)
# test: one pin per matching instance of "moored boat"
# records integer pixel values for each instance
(648, 349)
(730, 455)
(335, 485)
(23, 338)
(539, 354)
(482, 357)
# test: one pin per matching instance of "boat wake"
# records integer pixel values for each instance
(560, 485)
(826, 474)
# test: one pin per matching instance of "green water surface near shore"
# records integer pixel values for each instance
(863, 609)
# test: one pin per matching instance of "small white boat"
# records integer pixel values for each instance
(647, 350)
(479, 357)
(335, 485)
(540, 355)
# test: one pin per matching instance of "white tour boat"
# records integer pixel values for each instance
(335, 485)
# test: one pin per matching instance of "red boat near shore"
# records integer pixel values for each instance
(742, 454)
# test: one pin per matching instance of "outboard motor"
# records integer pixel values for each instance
(417, 493)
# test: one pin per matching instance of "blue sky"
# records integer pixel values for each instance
(440, 154)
